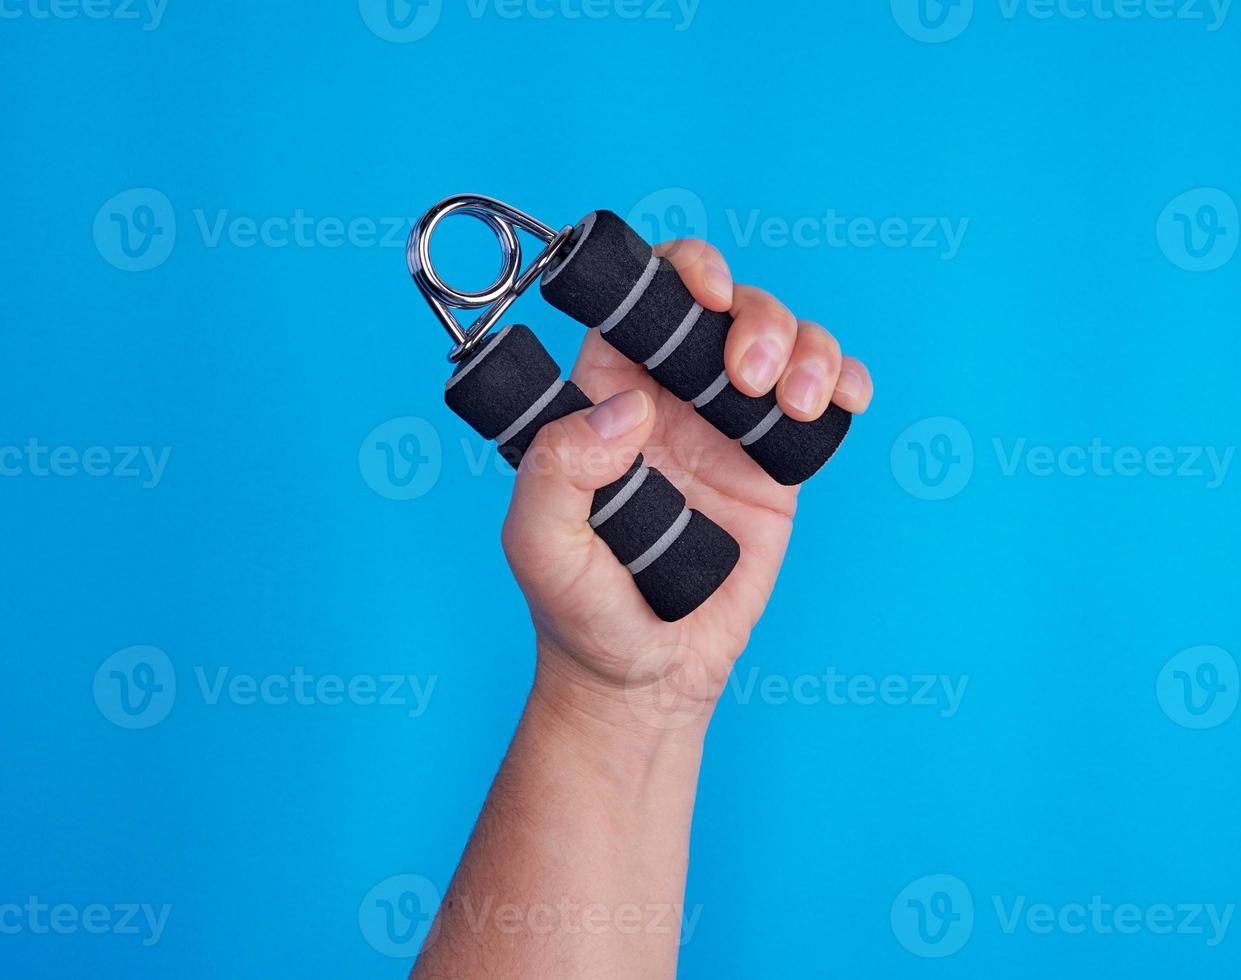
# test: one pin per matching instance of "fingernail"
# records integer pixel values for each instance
(850, 383)
(619, 415)
(760, 364)
(718, 282)
(804, 389)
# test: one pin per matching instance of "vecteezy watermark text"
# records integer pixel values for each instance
(679, 13)
(96, 919)
(677, 212)
(397, 916)
(837, 689)
(934, 916)
(403, 458)
(300, 230)
(937, 21)
(665, 692)
(1101, 917)
(832, 230)
(136, 230)
(150, 13)
(934, 459)
(136, 688)
(575, 917)
(405, 21)
(1099, 459)
(304, 688)
(145, 463)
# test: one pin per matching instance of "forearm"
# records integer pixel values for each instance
(577, 864)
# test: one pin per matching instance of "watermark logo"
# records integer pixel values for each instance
(667, 688)
(1213, 12)
(933, 21)
(402, 458)
(1103, 918)
(941, 692)
(669, 213)
(679, 13)
(1198, 687)
(301, 687)
(568, 917)
(397, 916)
(676, 212)
(144, 463)
(936, 21)
(136, 687)
(136, 229)
(933, 459)
(150, 13)
(1197, 230)
(833, 230)
(401, 21)
(96, 919)
(933, 916)
(1209, 464)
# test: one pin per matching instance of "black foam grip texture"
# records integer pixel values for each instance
(509, 388)
(609, 279)
(695, 564)
(501, 380)
(647, 514)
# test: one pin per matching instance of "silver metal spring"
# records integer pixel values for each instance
(504, 221)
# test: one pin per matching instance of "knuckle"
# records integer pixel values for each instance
(746, 296)
(686, 252)
(778, 314)
(555, 434)
(818, 341)
(549, 450)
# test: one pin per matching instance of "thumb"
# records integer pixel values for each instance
(568, 461)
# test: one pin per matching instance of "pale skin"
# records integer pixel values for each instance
(576, 867)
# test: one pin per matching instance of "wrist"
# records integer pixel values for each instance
(626, 730)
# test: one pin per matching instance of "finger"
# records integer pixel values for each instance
(759, 342)
(568, 461)
(702, 269)
(854, 388)
(807, 385)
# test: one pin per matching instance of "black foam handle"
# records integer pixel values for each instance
(510, 388)
(609, 279)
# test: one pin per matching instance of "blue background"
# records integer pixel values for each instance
(264, 547)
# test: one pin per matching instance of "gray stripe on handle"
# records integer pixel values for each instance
(760, 430)
(635, 294)
(663, 544)
(531, 413)
(673, 342)
(620, 499)
(713, 389)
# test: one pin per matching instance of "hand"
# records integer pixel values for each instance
(598, 640)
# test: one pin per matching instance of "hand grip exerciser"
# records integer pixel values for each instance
(604, 275)
(507, 387)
